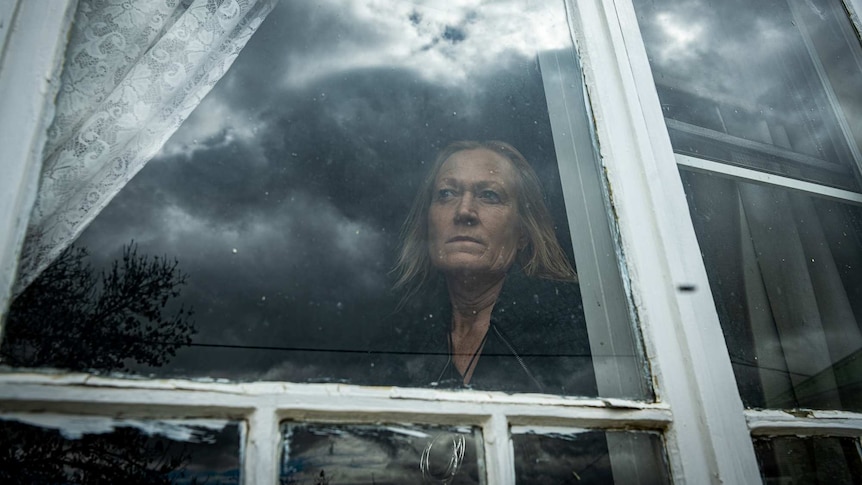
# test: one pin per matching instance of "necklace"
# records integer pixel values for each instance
(474, 359)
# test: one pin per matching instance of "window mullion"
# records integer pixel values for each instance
(804, 423)
(261, 447)
(499, 455)
(755, 176)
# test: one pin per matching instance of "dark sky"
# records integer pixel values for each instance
(764, 72)
(283, 194)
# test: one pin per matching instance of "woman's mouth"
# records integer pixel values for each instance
(464, 239)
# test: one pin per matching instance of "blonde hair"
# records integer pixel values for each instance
(542, 257)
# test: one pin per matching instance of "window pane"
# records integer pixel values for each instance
(82, 450)
(784, 269)
(318, 453)
(824, 461)
(772, 85)
(590, 457)
(260, 243)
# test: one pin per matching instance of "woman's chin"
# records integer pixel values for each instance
(461, 265)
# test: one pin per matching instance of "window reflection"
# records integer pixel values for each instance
(809, 460)
(95, 450)
(590, 457)
(322, 454)
(282, 197)
(74, 318)
(784, 272)
(772, 85)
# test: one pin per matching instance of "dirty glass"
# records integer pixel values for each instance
(816, 461)
(773, 85)
(261, 242)
(590, 457)
(784, 270)
(83, 450)
(382, 454)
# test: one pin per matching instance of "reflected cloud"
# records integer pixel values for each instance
(774, 73)
(684, 38)
(213, 125)
(282, 195)
(441, 45)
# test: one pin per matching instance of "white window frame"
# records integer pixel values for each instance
(707, 432)
(758, 422)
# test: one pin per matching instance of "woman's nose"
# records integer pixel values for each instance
(465, 212)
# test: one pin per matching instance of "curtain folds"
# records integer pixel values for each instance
(813, 326)
(783, 268)
(133, 72)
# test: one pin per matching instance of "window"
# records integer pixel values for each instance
(683, 402)
(278, 205)
(767, 141)
(306, 159)
(257, 245)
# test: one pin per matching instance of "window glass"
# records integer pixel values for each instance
(270, 239)
(79, 450)
(319, 453)
(772, 85)
(784, 269)
(793, 459)
(590, 457)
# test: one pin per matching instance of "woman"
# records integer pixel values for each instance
(480, 226)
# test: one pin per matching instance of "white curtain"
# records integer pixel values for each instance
(133, 72)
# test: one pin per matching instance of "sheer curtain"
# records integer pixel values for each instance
(784, 271)
(792, 274)
(133, 72)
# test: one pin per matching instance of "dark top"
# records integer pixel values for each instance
(537, 341)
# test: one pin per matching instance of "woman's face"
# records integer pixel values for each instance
(473, 221)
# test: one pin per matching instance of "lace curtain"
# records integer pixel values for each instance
(134, 71)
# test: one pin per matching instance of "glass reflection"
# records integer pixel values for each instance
(773, 85)
(818, 461)
(322, 454)
(153, 452)
(282, 196)
(267, 229)
(590, 457)
(784, 272)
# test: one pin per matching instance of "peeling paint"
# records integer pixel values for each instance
(800, 413)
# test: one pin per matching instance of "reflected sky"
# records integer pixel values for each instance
(784, 74)
(283, 193)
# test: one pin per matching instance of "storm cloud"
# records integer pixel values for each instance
(283, 194)
(770, 72)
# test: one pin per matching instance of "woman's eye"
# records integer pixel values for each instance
(444, 194)
(490, 196)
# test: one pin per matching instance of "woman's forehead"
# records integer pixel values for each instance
(477, 165)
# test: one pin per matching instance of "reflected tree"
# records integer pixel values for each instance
(73, 318)
(39, 456)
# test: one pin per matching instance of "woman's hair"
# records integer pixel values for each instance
(542, 257)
